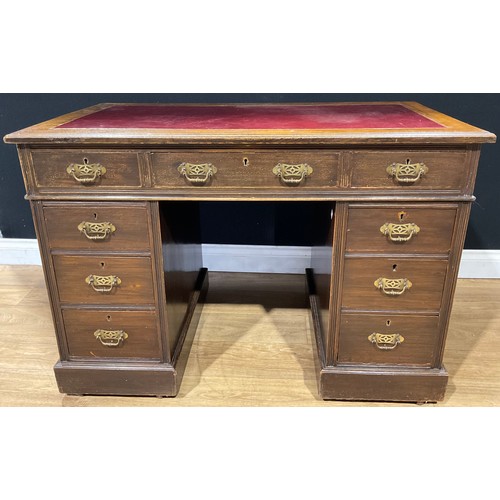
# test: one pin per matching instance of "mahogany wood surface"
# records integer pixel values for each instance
(141, 327)
(135, 274)
(49, 166)
(336, 282)
(246, 169)
(418, 331)
(181, 260)
(130, 220)
(435, 221)
(446, 169)
(116, 379)
(156, 247)
(321, 267)
(426, 275)
(412, 385)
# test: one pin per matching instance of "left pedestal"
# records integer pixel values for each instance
(125, 306)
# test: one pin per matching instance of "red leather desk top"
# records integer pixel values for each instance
(241, 117)
(311, 124)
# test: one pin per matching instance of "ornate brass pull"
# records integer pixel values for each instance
(96, 230)
(110, 338)
(102, 284)
(292, 174)
(86, 173)
(407, 172)
(393, 286)
(386, 341)
(399, 232)
(197, 174)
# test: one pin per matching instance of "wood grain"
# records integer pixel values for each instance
(181, 261)
(321, 265)
(436, 223)
(130, 221)
(427, 277)
(256, 171)
(348, 165)
(136, 287)
(122, 169)
(80, 325)
(263, 355)
(418, 348)
(410, 385)
(446, 169)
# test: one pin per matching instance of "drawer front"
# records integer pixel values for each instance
(280, 170)
(420, 292)
(408, 170)
(400, 229)
(104, 280)
(88, 170)
(388, 339)
(120, 334)
(97, 226)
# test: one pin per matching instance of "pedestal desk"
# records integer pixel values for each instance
(115, 192)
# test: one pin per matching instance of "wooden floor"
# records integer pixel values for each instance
(252, 347)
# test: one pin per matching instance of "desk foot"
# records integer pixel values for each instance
(416, 385)
(115, 379)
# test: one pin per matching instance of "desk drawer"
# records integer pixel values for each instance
(97, 226)
(402, 284)
(104, 280)
(120, 334)
(85, 170)
(400, 228)
(388, 339)
(409, 170)
(227, 169)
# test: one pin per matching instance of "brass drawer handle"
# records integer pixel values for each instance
(393, 286)
(292, 174)
(399, 232)
(110, 338)
(86, 173)
(197, 174)
(386, 341)
(102, 284)
(96, 230)
(407, 173)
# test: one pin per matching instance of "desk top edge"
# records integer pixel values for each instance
(448, 130)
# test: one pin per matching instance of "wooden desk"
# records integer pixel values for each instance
(115, 193)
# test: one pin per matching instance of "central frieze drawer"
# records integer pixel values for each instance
(104, 280)
(228, 169)
(393, 284)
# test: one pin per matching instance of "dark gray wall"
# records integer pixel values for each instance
(21, 110)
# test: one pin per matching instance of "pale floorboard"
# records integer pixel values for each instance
(252, 347)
